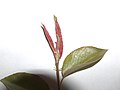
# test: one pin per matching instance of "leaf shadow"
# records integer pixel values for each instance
(50, 78)
(47, 75)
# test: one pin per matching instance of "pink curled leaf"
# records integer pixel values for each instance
(48, 38)
(59, 44)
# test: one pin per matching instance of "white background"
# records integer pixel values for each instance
(83, 22)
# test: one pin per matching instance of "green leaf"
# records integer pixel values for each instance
(82, 58)
(24, 81)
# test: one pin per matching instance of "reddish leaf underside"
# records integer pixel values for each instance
(59, 43)
(58, 50)
(48, 37)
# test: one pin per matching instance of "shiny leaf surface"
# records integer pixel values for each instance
(82, 58)
(24, 81)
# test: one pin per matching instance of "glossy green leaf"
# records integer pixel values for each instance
(82, 58)
(24, 81)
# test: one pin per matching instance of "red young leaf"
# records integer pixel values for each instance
(59, 43)
(49, 39)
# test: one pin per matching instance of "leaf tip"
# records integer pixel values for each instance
(55, 18)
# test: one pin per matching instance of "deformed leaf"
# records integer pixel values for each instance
(82, 58)
(24, 81)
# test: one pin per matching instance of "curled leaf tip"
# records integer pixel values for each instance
(42, 26)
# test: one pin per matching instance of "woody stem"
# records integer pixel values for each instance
(57, 76)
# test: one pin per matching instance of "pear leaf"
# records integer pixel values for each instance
(24, 81)
(82, 58)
